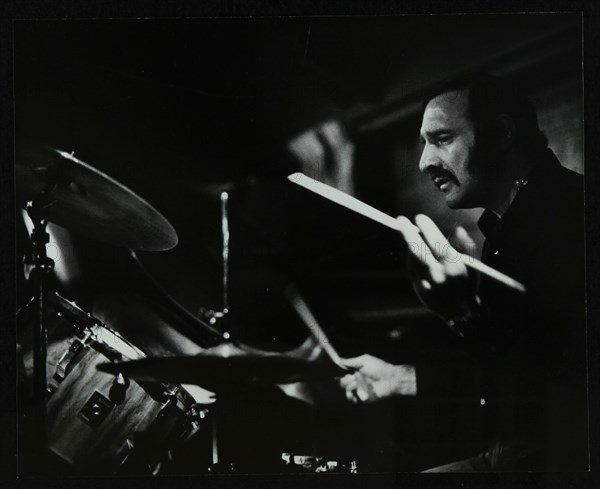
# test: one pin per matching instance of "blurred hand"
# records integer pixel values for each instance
(439, 278)
(375, 379)
(326, 154)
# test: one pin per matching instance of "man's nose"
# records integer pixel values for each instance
(429, 158)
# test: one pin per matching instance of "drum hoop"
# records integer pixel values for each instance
(92, 329)
(94, 325)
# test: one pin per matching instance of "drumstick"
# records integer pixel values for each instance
(311, 323)
(352, 203)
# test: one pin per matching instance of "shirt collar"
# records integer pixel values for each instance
(490, 224)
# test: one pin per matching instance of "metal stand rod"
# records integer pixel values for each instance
(43, 266)
(225, 231)
(214, 440)
(214, 317)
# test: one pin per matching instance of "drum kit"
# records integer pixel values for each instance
(96, 400)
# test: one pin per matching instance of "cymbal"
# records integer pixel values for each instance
(87, 201)
(224, 367)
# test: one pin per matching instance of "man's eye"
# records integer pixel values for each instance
(444, 140)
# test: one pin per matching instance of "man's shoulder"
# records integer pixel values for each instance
(555, 198)
(560, 181)
(571, 176)
(564, 205)
(571, 184)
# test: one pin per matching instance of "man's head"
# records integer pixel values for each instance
(469, 129)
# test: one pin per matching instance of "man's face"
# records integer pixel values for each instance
(449, 152)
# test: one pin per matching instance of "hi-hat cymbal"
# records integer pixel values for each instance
(224, 367)
(85, 200)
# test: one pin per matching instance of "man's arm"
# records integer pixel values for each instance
(444, 286)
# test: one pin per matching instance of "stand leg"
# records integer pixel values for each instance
(43, 266)
(39, 359)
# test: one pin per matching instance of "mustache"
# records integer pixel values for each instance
(434, 173)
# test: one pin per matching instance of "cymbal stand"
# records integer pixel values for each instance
(225, 231)
(42, 267)
(215, 316)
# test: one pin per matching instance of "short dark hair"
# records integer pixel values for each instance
(489, 96)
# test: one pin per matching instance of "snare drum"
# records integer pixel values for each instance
(97, 420)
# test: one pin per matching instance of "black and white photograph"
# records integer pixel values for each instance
(300, 245)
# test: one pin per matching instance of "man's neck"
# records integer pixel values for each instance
(509, 183)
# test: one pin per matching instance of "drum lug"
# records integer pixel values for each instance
(118, 389)
(62, 367)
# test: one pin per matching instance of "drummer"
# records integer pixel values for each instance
(482, 147)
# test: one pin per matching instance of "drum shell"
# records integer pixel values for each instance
(94, 420)
(83, 441)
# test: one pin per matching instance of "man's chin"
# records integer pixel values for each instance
(453, 204)
(460, 201)
(455, 200)
(452, 200)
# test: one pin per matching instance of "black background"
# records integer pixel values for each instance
(365, 92)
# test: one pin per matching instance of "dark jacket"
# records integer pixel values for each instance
(533, 346)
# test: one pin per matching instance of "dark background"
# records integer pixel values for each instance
(172, 108)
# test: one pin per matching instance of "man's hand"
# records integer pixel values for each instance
(326, 154)
(375, 379)
(439, 278)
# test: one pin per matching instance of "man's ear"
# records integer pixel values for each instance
(506, 132)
